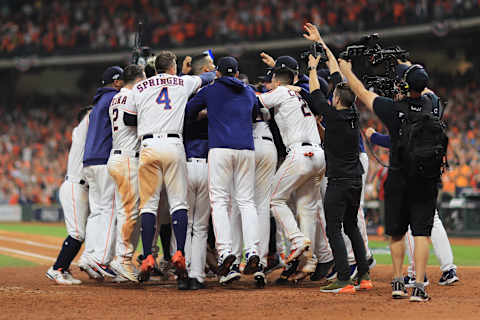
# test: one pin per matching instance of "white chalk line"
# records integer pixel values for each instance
(31, 243)
(28, 254)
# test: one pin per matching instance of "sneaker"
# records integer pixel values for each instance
(353, 271)
(183, 283)
(363, 282)
(58, 276)
(410, 281)
(253, 261)
(156, 272)
(92, 273)
(68, 275)
(260, 278)
(224, 264)
(307, 267)
(448, 277)
(147, 266)
(297, 252)
(339, 287)
(125, 269)
(289, 270)
(419, 295)
(178, 261)
(371, 263)
(194, 284)
(233, 275)
(103, 269)
(399, 290)
(322, 270)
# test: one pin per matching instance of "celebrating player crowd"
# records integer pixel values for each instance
(197, 159)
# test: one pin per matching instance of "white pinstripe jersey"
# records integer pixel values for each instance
(75, 155)
(123, 137)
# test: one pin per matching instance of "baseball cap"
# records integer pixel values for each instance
(417, 79)
(286, 62)
(268, 75)
(111, 74)
(227, 65)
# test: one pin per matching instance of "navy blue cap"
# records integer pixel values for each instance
(286, 62)
(227, 65)
(417, 78)
(111, 74)
(268, 75)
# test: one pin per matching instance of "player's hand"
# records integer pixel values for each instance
(312, 33)
(267, 59)
(187, 65)
(312, 61)
(345, 66)
(202, 114)
(369, 132)
(407, 62)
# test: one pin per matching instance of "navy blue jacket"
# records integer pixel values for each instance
(99, 136)
(230, 105)
(382, 140)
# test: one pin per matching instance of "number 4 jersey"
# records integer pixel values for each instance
(292, 115)
(160, 101)
(123, 136)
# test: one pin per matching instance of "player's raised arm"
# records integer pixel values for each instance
(356, 85)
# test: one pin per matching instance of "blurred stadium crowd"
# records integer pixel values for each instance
(42, 27)
(34, 143)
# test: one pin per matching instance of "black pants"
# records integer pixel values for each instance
(342, 200)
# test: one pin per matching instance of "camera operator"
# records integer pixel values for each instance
(410, 199)
(344, 171)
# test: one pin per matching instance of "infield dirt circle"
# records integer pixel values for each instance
(25, 293)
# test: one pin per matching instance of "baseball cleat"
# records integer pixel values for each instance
(178, 261)
(147, 266)
(297, 252)
(194, 284)
(103, 269)
(252, 264)
(419, 295)
(224, 264)
(58, 276)
(448, 277)
(183, 283)
(274, 262)
(70, 277)
(410, 281)
(322, 270)
(92, 273)
(233, 275)
(363, 282)
(260, 278)
(399, 290)
(125, 269)
(339, 287)
(290, 270)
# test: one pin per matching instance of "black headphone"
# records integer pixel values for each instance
(410, 69)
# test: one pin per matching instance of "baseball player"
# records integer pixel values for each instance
(73, 196)
(440, 242)
(123, 168)
(196, 148)
(101, 222)
(304, 162)
(160, 103)
(231, 160)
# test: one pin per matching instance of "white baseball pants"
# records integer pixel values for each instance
(322, 251)
(102, 219)
(162, 161)
(74, 200)
(123, 169)
(265, 165)
(297, 172)
(440, 243)
(232, 177)
(198, 218)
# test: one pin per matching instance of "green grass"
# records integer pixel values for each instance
(6, 261)
(44, 230)
(462, 255)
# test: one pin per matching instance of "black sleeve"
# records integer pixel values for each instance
(384, 109)
(319, 103)
(130, 119)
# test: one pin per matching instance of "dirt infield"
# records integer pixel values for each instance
(26, 293)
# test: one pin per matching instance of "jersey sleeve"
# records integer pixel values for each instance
(191, 83)
(270, 99)
(129, 105)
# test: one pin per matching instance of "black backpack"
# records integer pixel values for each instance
(423, 142)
